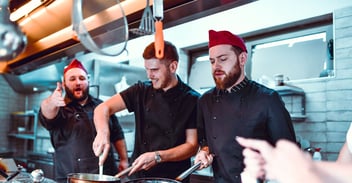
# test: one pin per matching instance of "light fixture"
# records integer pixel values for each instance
(202, 58)
(292, 41)
(25, 9)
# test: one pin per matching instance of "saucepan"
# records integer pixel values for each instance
(91, 178)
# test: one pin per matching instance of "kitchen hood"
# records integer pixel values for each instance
(51, 40)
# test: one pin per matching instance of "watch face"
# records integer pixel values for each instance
(157, 157)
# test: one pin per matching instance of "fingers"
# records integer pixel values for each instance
(262, 146)
(56, 98)
(58, 87)
(256, 153)
(101, 148)
(144, 161)
(104, 155)
(254, 163)
(205, 158)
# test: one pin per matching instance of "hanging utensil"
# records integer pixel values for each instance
(115, 39)
(146, 27)
(158, 9)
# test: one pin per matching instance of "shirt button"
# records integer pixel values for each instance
(78, 117)
(214, 118)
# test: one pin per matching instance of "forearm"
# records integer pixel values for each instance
(182, 151)
(345, 156)
(333, 172)
(121, 149)
(179, 153)
(48, 111)
(101, 119)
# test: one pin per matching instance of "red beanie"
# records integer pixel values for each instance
(75, 64)
(225, 37)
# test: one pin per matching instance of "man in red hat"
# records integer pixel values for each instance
(69, 120)
(237, 106)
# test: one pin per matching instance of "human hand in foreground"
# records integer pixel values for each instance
(285, 163)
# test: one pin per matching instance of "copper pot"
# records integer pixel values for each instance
(91, 178)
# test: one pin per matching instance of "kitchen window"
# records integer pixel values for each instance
(298, 55)
(297, 52)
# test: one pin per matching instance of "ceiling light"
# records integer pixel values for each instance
(25, 9)
(292, 41)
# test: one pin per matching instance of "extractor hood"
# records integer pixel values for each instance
(50, 36)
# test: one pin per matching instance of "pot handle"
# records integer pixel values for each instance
(124, 172)
(188, 171)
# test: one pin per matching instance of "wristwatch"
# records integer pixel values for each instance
(157, 157)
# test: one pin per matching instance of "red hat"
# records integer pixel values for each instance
(75, 64)
(225, 37)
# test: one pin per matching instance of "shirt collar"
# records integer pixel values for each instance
(239, 86)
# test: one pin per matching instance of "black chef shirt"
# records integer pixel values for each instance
(72, 133)
(161, 122)
(249, 110)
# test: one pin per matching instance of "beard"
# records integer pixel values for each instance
(70, 94)
(165, 82)
(230, 78)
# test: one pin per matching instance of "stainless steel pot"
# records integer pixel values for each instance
(91, 178)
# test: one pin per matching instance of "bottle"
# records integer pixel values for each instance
(317, 155)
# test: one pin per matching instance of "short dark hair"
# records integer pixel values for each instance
(170, 52)
(237, 50)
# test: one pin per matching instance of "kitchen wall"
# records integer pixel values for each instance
(329, 101)
(10, 101)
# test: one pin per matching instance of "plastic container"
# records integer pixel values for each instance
(317, 155)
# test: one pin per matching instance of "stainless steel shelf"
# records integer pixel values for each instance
(23, 136)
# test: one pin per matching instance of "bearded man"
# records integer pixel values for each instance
(237, 106)
(69, 119)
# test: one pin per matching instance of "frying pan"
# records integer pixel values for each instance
(166, 180)
(96, 178)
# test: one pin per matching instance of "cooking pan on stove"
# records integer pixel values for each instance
(166, 180)
(91, 178)
(96, 178)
